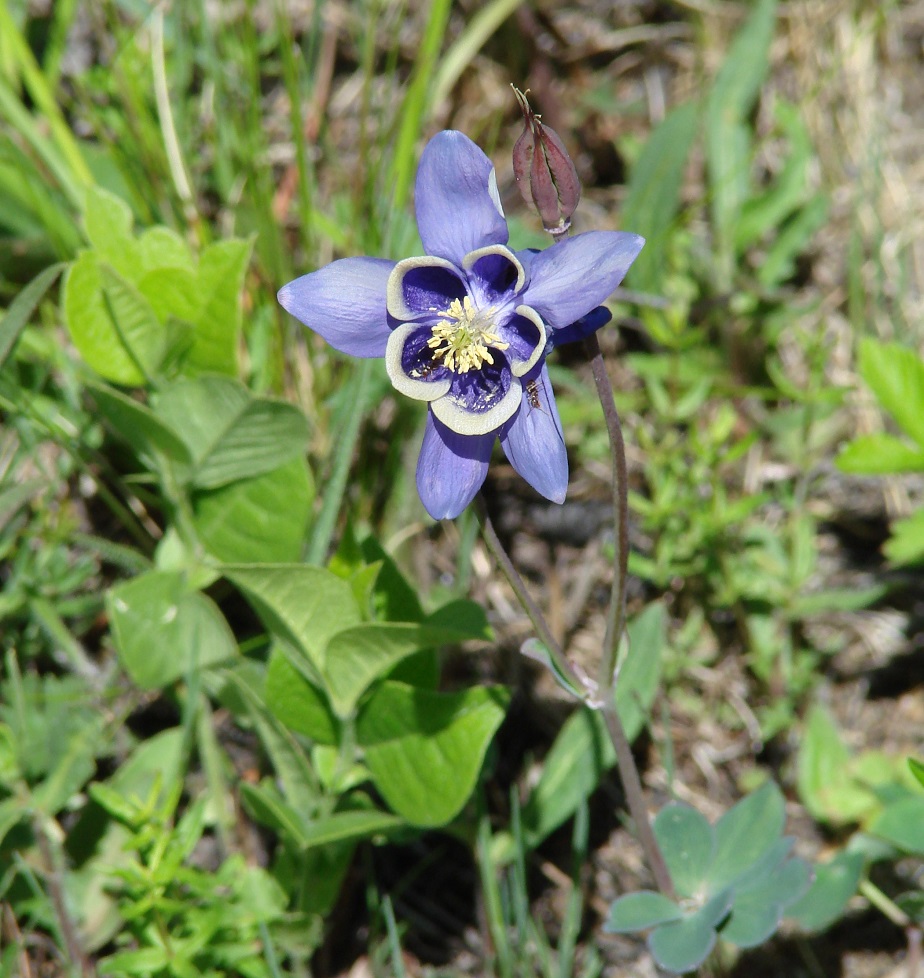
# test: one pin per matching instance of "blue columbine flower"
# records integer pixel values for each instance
(468, 326)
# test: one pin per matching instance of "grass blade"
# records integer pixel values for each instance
(653, 196)
(22, 308)
(728, 137)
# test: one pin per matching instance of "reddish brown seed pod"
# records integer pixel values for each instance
(544, 171)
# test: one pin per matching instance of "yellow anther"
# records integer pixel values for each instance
(462, 342)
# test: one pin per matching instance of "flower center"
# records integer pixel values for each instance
(462, 342)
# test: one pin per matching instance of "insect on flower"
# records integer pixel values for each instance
(467, 327)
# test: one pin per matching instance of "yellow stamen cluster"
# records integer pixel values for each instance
(462, 342)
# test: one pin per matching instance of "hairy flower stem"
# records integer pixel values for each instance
(616, 615)
(615, 626)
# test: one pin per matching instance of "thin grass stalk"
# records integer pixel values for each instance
(46, 102)
(355, 397)
(178, 172)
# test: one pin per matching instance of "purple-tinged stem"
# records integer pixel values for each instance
(615, 626)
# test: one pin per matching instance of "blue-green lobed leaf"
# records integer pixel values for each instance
(684, 944)
(639, 911)
(746, 833)
(826, 899)
(687, 842)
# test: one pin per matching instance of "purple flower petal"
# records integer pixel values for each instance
(533, 441)
(410, 365)
(420, 288)
(572, 277)
(580, 329)
(526, 333)
(451, 469)
(494, 275)
(456, 198)
(345, 303)
(479, 401)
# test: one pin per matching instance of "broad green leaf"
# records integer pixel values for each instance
(305, 606)
(23, 306)
(457, 621)
(140, 332)
(171, 292)
(395, 599)
(356, 656)
(217, 324)
(425, 749)
(826, 786)
(906, 545)
(687, 842)
(91, 327)
(639, 911)
(917, 769)
(653, 195)
(137, 424)
(895, 374)
(582, 752)
(880, 454)
(162, 247)
(107, 220)
(745, 833)
(297, 703)
(826, 899)
(902, 824)
(640, 673)
(230, 433)
(258, 520)
(684, 944)
(420, 669)
(264, 803)
(162, 630)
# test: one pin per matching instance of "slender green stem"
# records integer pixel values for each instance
(883, 904)
(343, 457)
(523, 596)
